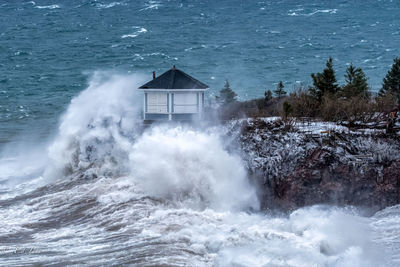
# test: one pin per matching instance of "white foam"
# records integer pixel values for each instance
(151, 5)
(110, 5)
(48, 7)
(191, 167)
(129, 36)
(122, 224)
(136, 34)
(327, 11)
(21, 166)
(96, 129)
(315, 236)
(97, 138)
(175, 191)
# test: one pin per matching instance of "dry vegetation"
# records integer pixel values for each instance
(350, 104)
(356, 111)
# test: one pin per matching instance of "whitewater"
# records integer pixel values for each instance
(106, 191)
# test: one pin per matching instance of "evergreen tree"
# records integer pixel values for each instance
(356, 83)
(267, 96)
(325, 82)
(391, 83)
(279, 92)
(226, 95)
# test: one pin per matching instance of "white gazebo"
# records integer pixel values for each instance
(174, 95)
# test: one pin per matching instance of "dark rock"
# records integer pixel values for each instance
(295, 170)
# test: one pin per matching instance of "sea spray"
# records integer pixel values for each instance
(170, 196)
(93, 139)
(189, 166)
(100, 136)
(95, 132)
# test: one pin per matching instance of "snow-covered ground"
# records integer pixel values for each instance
(275, 149)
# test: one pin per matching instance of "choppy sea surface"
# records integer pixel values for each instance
(48, 48)
(81, 183)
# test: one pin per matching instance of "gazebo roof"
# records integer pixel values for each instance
(174, 79)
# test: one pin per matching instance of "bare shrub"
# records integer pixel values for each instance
(331, 109)
(304, 105)
(251, 108)
(385, 104)
(356, 109)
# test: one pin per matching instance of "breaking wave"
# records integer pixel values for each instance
(110, 5)
(296, 12)
(96, 132)
(100, 136)
(48, 7)
(193, 167)
(117, 193)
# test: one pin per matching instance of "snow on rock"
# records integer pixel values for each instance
(301, 164)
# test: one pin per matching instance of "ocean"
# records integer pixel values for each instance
(48, 49)
(82, 184)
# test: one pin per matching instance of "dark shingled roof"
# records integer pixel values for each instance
(174, 79)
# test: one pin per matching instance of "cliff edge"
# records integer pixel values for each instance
(301, 164)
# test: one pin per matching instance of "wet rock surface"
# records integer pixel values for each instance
(296, 168)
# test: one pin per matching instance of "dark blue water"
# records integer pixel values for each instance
(49, 48)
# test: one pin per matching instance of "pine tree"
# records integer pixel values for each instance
(391, 83)
(325, 82)
(267, 96)
(356, 83)
(279, 92)
(226, 95)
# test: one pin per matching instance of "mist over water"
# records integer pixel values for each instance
(106, 191)
(95, 132)
(190, 166)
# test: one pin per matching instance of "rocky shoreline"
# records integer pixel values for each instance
(301, 164)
